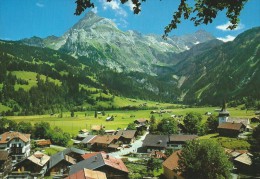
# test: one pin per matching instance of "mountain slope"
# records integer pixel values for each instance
(98, 38)
(230, 71)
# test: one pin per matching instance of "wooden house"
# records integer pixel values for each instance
(126, 136)
(113, 167)
(170, 166)
(59, 163)
(231, 129)
(17, 143)
(35, 165)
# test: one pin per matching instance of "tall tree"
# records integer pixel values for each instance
(192, 122)
(167, 126)
(212, 123)
(205, 160)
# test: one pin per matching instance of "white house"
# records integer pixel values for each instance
(16, 143)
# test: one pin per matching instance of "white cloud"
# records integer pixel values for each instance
(115, 6)
(39, 4)
(223, 27)
(95, 10)
(130, 5)
(227, 38)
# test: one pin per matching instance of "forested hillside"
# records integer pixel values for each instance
(229, 71)
(39, 80)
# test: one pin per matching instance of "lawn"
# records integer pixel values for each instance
(122, 118)
(51, 150)
(227, 142)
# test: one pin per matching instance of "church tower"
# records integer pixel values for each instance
(223, 114)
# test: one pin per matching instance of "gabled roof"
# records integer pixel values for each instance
(128, 134)
(172, 162)
(106, 139)
(87, 174)
(98, 160)
(182, 138)
(39, 158)
(88, 139)
(8, 136)
(231, 126)
(245, 158)
(155, 140)
(63, 155)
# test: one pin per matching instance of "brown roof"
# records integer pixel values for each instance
(43, 142)
(3, 155)
(106, 139)
(8, 136)
(182, 138)
(114, 162)
(129, 134)
(172, 162)
(231, 126)
(87, 174)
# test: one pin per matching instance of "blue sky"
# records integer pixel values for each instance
(26, 18)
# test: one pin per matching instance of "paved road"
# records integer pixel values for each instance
(138, 143)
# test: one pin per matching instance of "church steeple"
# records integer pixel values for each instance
(223, 114)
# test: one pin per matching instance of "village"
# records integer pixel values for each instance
(101, 154)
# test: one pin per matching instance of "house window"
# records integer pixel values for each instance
(17, 140)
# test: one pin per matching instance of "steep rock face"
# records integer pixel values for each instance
(99, 38)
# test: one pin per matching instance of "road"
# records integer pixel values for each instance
(138, 143)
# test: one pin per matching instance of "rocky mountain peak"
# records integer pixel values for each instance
(91, 19)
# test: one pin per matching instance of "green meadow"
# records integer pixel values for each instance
(122, 117)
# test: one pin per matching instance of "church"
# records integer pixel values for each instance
(231, 127)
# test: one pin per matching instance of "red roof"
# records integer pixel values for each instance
(88, 155)
(87, 174)
(172, 162)
(114, 162)
(8, 136)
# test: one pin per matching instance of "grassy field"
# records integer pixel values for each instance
(31, 78)
(122, 118)
(227, 142)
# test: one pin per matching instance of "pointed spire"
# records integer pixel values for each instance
(224, 106)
